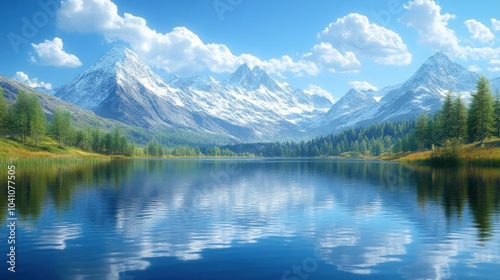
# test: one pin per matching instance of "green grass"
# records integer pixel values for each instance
(12, 149)
(487, 154)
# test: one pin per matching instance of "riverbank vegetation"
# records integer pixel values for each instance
(27, 131)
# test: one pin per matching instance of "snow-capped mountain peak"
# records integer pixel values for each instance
(353, 100)
(248, 105)
(440, 74)
(241, 77)
(252, 79)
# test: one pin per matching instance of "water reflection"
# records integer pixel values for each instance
(362, 217)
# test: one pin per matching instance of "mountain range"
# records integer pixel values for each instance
(249, 105)
(421, 93)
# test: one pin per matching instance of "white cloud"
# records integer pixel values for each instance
(362, 85)
(432, 26)
(330, 58)
(314, 89)
(494, 65)
(33, 83)
(495, 24)
(355, 34)
(52, 53)
(475, 68)
(479, 31)
(179, 51)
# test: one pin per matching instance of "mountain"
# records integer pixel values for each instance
(249, 105)
(348, 108)
(425, 90)
(421, 93)
(250, 98)
(81, 117)
(121, 87)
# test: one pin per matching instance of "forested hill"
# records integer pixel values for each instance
(373, 140)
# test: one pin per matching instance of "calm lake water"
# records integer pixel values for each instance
(253, 219)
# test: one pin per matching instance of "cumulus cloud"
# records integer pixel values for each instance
(474, 68)
(362, 85)
(179, 50)
(479, 31)
(354, 34)
(495, 24)
(432, 26)
(494, 65)
(33, 83)
(330, 58)
(51, 53)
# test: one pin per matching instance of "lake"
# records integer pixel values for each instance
(253, 219)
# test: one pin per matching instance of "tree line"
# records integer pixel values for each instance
(444, 131)
(455, 123)
(452, 125)
(26, 120)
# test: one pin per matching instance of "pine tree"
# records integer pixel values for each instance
(460, 119)
(421, 131)
(38, 121)
(480, 117)
(497, 115)
(446, 120)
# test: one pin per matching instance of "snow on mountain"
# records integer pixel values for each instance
(121, 87)
(251, 98)
(248, 105)
(426, 89)
(352, 101)
(346, 111)
(423, 92)
(378, 95)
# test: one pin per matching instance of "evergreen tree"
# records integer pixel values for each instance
(480, 117)
(22, 115)
(421, 131)
(497, 115)
(95, 141)
(446, 118)
(460, 119)
(38, 121)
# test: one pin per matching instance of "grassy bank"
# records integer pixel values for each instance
(487, 154)
(11, 149)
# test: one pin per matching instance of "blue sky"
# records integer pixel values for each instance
(319, 45)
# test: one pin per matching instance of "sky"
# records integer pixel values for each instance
(324, 45)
